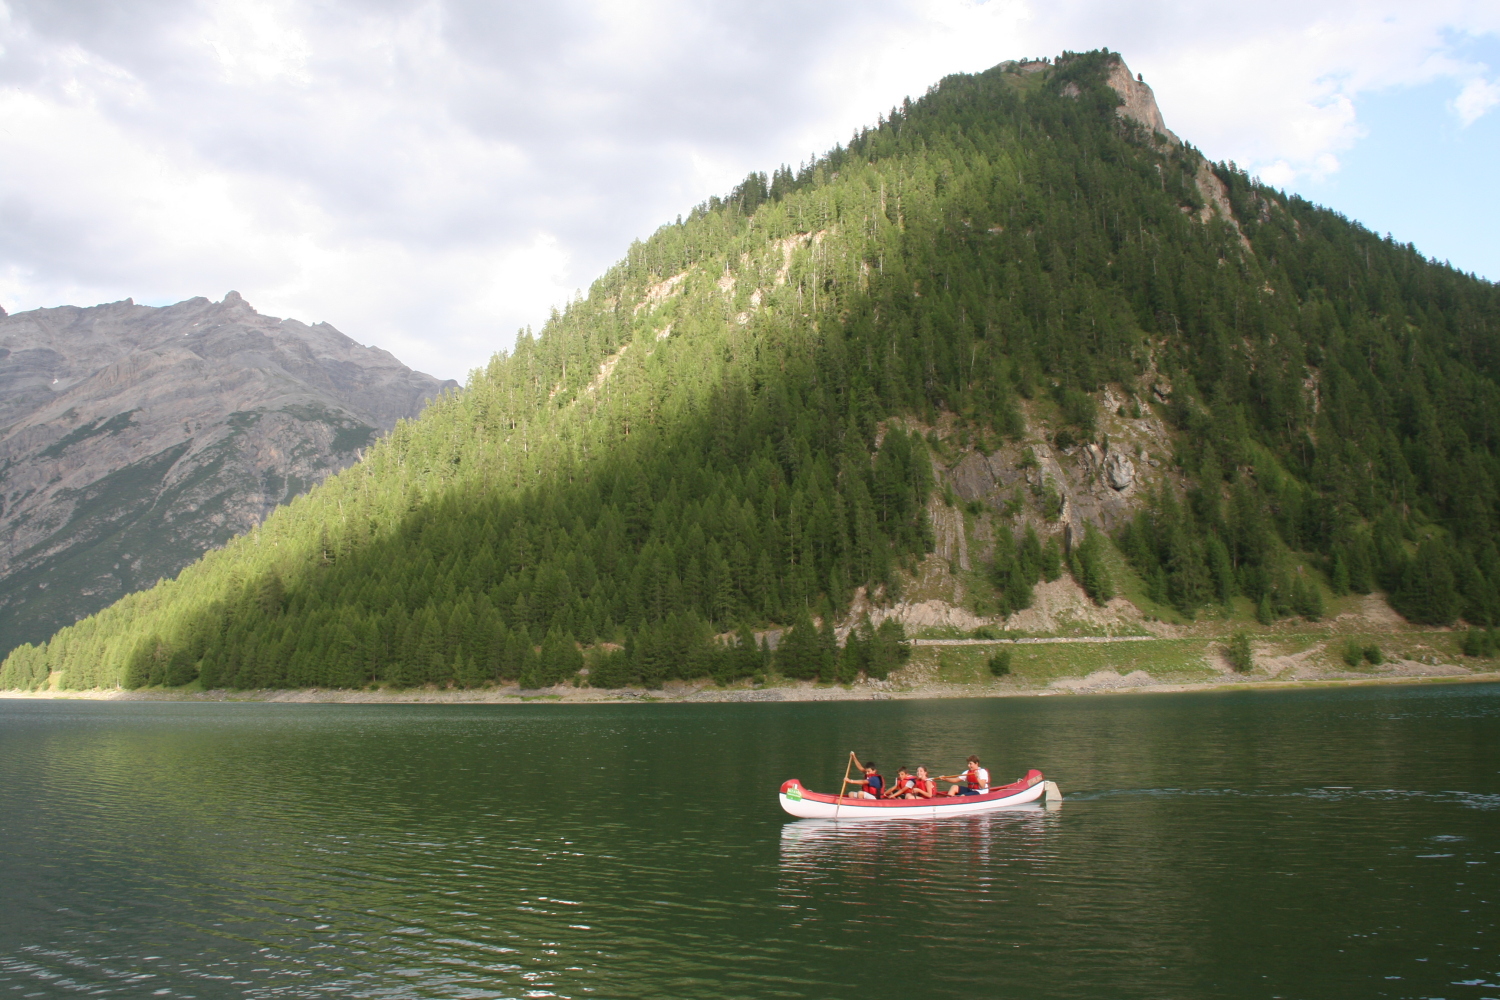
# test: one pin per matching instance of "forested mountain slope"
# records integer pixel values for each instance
(133, 439)
(752, 419)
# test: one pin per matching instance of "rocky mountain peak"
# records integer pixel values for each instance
(1139, 105)
(133, 438)
(1140, 101)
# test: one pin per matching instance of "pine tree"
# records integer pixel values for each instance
(797, 654)
(1089, 568)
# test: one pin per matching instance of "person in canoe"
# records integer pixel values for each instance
(974, 781)
(903, 785)
(873, 786)
(919, 787)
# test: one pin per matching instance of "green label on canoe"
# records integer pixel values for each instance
(794, 793)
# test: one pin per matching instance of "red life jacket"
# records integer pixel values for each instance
(873, 788)
(971, 778)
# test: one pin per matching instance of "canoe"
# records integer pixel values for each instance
(806, 804)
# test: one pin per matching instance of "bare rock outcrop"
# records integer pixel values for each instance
(133, 439)
(1120, 471)
(1140, 101)
(1139, 105)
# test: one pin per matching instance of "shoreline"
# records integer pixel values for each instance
(685, 694)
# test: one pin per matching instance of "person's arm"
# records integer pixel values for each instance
(853, 782)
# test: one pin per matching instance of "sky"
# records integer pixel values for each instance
(431, 175)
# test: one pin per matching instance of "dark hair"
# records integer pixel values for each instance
(903, 767)
(973, 758)
(869, 765)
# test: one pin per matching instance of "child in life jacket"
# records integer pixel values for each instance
(902, 789)
(873, 785)
(920, 786)
(974, 781)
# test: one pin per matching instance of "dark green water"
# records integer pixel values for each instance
(637, 850)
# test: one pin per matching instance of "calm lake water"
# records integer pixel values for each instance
(1341, 843)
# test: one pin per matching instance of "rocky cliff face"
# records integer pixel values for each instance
(132, 439)
(1140, 102)
(1140, 106)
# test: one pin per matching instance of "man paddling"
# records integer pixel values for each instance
(974, 781)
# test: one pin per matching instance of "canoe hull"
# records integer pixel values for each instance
(804, 804)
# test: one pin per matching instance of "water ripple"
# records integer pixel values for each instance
(1225, 846)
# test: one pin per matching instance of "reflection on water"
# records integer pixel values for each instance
(913, 865)
(1333, 844)
(809, 842)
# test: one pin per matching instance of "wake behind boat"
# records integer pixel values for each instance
(807, 804)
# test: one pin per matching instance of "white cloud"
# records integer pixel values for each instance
(254, 43)
(1477, 97)
(430, 175)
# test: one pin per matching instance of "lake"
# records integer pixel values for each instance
(1318, 844)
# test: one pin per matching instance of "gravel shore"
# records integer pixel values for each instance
(1100, 682)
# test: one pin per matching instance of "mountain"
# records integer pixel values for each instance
(1017, 332)
(133, 439)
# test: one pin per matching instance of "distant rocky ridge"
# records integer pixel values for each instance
(133, 439)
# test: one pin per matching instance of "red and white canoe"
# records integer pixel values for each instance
(805, 804)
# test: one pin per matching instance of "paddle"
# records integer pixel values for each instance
(840, 800)
(953, 777)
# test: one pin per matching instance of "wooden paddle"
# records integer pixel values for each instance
(953, 777)
(840, 800)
